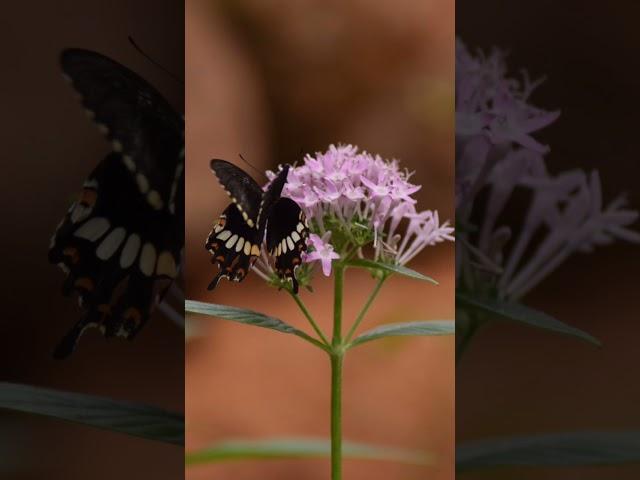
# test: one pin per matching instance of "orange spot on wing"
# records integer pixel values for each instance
(71, 253)
(85, 283)
(89, 197)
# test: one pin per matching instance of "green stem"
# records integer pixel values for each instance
(306, 313)
(336, 376)
(336, 416)
(337, 305)
(466, 339)
(365, 309)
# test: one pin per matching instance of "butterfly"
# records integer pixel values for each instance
(236, 239)
(120, 243)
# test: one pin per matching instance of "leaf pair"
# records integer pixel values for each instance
(248, 317)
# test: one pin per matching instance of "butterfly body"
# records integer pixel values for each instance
(236, 240)
(120, 243)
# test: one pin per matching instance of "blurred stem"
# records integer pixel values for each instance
(337, 356)
(365, 308)
(306, 313)
(468, 334)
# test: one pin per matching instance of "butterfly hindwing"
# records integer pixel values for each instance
(117, 251)
(241, 188)
(139, 122)
(234, 246)
(287, 232)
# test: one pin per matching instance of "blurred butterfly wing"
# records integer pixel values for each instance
(117, 251)
(234, 246)
(135, 118)
(244, 192)
(287, 231)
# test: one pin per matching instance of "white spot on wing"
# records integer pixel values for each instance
(247, 248)
(79, 213)
(128, 162)
(295, 236)
(143, 183)
(166, 265)
(290, 243)
(239, 244)
(130, 251)
(153, 197)
(231, 242)
(224, 235)
(93, 229)
(148, 259)
(111, 243)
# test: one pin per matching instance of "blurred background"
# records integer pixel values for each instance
(514, 380)
(271, 80)
(49, 148)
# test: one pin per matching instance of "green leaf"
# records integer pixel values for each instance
(130, 418)
(429, 328)
(551, 450)
(522, 314)
(389, 268)
(248, 317)
(298, 448)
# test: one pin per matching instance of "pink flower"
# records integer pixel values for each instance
(322, 252)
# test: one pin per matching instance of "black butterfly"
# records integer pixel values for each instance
(237, 238)
(120, 243)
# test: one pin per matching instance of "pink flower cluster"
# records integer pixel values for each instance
(496, 155)
(362, 192)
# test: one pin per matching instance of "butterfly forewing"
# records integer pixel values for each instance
(287, 232)
(135, 118)
(241, 188)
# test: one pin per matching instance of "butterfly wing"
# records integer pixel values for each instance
(118, 252)
(287, 231)
(139, 122)
(244, 192)
(270, 197)
(234, 246)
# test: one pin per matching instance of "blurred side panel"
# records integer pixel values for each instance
(548, 254)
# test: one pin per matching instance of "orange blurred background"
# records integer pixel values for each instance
(270, 80)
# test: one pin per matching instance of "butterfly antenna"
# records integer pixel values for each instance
(158, 65)
(254, 168)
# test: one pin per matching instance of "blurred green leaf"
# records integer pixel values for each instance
(247, 317)
(421, 328)
(130, 418)
(296, 448)
(551, 450)
(522, 314)
(387, 268)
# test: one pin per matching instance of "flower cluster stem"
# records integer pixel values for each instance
(337, 357)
